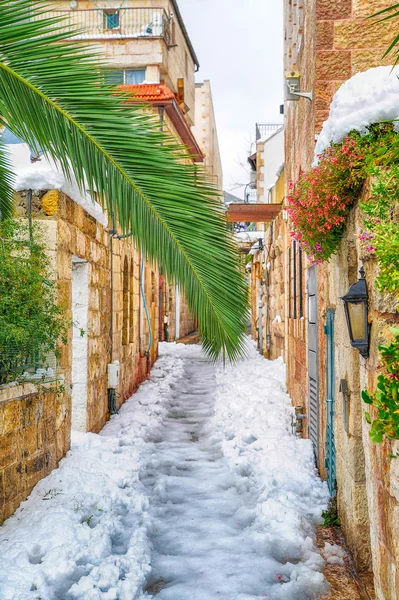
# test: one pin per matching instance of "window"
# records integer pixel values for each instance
(296, 278)
(111, 19)
(134, 76)
(127, 76)
(113, 77)
(300, 258)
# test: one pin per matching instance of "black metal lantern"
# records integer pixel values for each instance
(356, 312)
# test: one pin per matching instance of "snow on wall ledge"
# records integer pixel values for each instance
(364, 99)
(44, 175)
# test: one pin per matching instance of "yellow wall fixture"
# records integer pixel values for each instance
(50, 202)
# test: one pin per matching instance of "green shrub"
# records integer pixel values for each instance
(31, 322)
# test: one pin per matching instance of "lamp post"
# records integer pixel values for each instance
(356, 312)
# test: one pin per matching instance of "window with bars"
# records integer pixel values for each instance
(111, 19)
(295, 277)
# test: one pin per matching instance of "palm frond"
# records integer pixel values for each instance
(6, 184)
(52, 95)
(384, 11)
(391, 12)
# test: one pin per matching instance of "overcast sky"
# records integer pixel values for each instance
(239, 44)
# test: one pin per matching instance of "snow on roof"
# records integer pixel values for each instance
(366, 98)
(249, 236)
(44, 175)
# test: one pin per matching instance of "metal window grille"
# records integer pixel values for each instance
(22, 365)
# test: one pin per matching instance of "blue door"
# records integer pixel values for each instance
(330, 403)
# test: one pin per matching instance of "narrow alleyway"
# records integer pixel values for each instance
(201, 546)
(197, 490)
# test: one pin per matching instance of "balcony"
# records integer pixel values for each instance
(266, 130)
(122, 23)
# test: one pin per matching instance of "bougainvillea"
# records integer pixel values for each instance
(321, 199)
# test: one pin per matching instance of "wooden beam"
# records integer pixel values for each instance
(253, 213)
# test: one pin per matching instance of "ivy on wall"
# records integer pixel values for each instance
(385, 399)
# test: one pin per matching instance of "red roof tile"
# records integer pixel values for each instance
(149, 91)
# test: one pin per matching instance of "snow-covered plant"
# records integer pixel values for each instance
(386, 398)
(321, 199)
(31, 322)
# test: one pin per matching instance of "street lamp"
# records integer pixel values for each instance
(356, 312)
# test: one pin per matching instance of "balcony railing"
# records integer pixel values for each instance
(266, 130)
(107, 23)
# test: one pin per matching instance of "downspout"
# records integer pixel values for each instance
(147, 352)
(112, 407)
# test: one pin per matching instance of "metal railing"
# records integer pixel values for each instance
(107, 23)
(18, 365)
(266, 130)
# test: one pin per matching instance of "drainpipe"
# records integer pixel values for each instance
(260, 321)
(112, 407)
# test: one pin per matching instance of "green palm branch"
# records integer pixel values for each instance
(52, 95)
(386, 14)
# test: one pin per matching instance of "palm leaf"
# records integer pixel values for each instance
(6, 184)
(389, 13)
(52, 96)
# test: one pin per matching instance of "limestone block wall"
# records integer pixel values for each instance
(275, 300)
(206, 133)
(34, 436)
(351, 473)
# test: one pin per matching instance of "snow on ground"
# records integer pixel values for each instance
(45, 175)
(364, 99)
(197, 490)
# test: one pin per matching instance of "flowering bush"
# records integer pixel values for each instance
(321, 199)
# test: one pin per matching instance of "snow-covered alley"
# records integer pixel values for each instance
(197, 490)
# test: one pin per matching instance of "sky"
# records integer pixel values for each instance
(239, 44)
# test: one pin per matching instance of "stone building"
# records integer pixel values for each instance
(148, 50)
(327, 43)
(149, 53)
(206, 133)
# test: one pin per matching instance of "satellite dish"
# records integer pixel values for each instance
(73, 4)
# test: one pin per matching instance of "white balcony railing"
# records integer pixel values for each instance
(106, 23)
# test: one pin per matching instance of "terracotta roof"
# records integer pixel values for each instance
(150, 91)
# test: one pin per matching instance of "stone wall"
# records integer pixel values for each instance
(328, 42)
(206, 133)
(34, 436)
(43, 420)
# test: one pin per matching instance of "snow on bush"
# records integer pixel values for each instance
(44, 175)
(366, 98)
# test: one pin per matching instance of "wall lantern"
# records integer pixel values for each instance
(356, 312)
